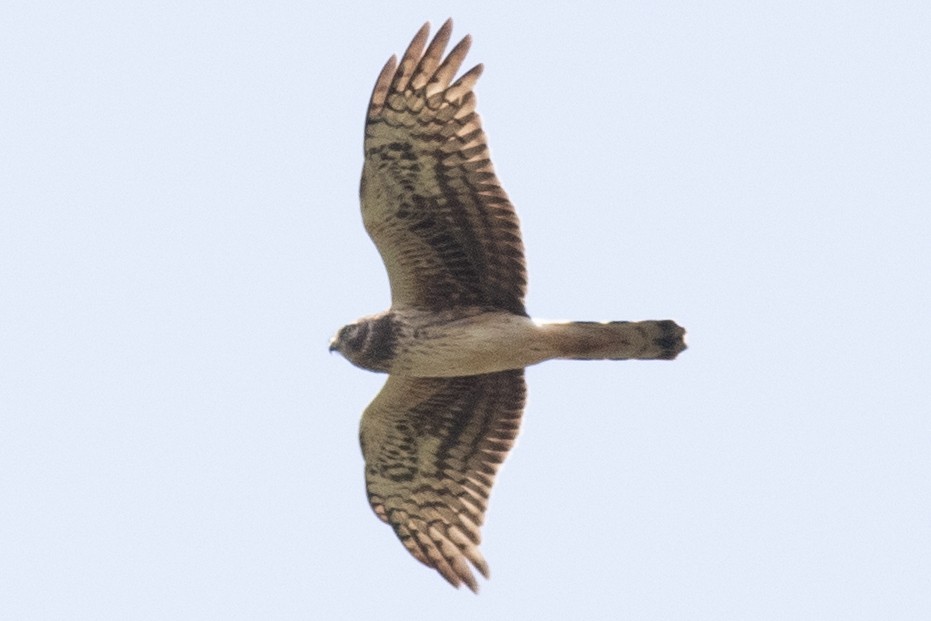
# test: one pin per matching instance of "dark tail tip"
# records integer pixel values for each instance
(671, 341)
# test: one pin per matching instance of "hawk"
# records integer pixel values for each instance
(457, 337)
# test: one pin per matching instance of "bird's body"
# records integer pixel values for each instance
(474, 340)
(457, 337)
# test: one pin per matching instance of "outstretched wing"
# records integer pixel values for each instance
(446, 231)
(432, 447)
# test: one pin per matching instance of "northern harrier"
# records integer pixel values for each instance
(456, 338)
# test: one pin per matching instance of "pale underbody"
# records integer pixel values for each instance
(472, 342)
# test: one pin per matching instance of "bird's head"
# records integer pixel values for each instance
(349, 340)
(368, 343)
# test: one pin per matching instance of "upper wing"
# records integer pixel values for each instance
(432, 447)
(430, 199)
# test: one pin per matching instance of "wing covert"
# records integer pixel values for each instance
(431, 201)
(432, 447)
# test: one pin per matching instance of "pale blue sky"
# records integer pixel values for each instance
(180, 236)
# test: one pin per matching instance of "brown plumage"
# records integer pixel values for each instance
(431, 202)
(457, 337)
(431, 448)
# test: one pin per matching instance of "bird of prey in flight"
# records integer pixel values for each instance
(457, 337)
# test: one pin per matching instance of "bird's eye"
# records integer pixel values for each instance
(353, 336)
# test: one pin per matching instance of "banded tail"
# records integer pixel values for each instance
(616, 340)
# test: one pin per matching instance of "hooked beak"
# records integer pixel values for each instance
(333, 345)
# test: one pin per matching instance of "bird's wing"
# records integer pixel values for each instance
(432, 447)
(431, 202)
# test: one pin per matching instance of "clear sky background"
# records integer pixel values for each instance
(180, 236)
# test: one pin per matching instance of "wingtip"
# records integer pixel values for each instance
(446, 27)
(382, 84)
(423, 32)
